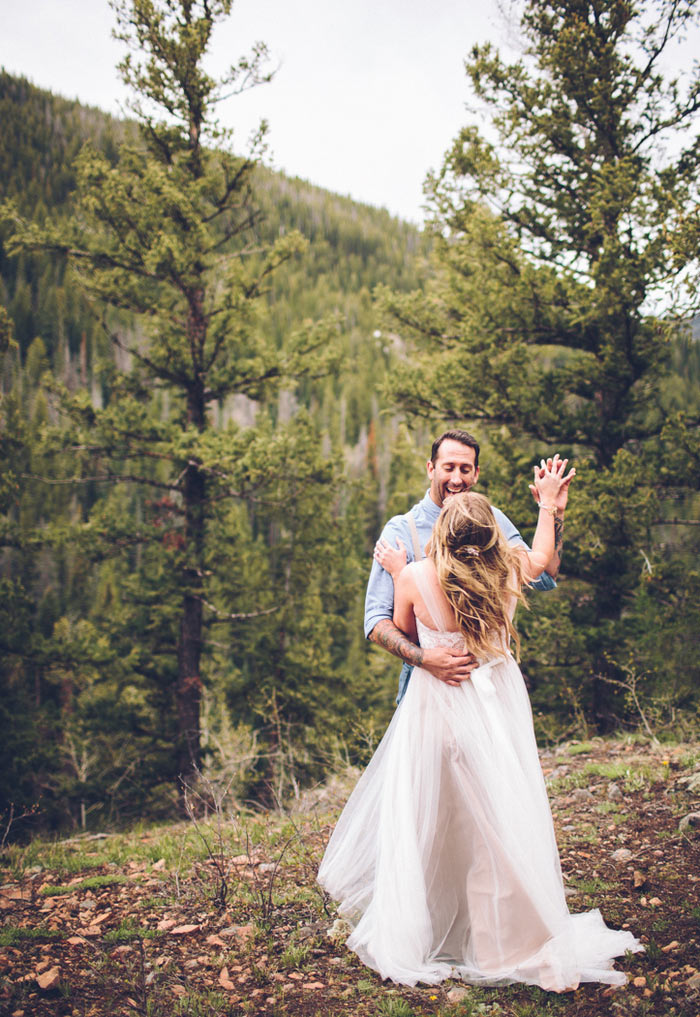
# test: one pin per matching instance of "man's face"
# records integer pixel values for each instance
(453, 472)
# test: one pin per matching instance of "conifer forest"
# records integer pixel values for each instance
(218, 383)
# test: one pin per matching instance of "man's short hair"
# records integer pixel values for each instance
(464, 437)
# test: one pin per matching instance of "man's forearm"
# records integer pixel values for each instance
(391, 638)
(554, 564)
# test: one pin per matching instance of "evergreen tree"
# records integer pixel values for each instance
(166, 235)
(557, 256)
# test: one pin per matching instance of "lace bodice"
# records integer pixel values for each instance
(429, 638)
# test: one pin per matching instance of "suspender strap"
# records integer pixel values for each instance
(418, 552)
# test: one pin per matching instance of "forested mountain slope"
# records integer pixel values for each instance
(89, 633)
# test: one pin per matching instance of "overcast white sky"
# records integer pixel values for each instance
(368, 96)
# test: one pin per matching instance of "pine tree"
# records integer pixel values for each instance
(547, 325)
(166, 240)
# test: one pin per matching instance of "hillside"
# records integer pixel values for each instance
(130, 924)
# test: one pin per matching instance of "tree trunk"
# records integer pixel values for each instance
(189, 681)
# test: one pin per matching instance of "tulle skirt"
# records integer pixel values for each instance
(444, 860)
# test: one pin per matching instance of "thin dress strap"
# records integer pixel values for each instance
(442, 618)
(418, 552)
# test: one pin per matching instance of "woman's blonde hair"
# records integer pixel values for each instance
(478, 572)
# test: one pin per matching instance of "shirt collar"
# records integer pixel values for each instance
(431, 510)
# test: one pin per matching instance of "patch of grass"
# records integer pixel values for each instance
(394, 1006)
(200, 1004)
(294, 956)
(613, 771)
(606, 807)
(591, 886)
(14, 935)
(366, 987)
(91, 883)
(580, 748)
(129, 931)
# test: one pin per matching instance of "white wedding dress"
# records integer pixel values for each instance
(444, 860)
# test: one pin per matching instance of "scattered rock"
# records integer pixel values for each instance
(654, 902)
(159, 865)
(315, 985)
(691, 820)
(692, 783)
(339, 931)
(225, 980)
(76, 940)
(582, 794)
(166, 923)
(622, 855)
(184, 930)
(178, 990)
(267, 866)
(670, 946)
(216, 941)
(694, 982)
(640, 982)
(457, 994)
(242, 932)
(50, 979)
(639, 879)
(614, 793)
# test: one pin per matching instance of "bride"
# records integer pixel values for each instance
(444, 860)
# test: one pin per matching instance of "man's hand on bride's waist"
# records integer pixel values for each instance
(448, 665)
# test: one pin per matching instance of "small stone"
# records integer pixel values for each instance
(692, 783)
(295, 976)
(216, 941)
(640, 981)
(692, 820)
(614, 793)
(647, 993)
(178, 990)
(639, 879)
(339, 931)
(50, 979)
(225, 980)
(184, 930)
(165, 923)
(76, 940)
(158, 866)
(87, 905)
(670, 946)
(654, 902)
(242, 932)
(457, 994)
(693, 982)
(267, 866)
(622, 855)
(315, 985)
(582, 794)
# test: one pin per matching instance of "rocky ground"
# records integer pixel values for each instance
(224, 917)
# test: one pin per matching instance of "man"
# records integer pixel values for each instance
(453, 467)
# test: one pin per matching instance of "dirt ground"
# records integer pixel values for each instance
(156, 923)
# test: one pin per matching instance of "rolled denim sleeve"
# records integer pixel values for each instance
(512, 535)
(379, 600)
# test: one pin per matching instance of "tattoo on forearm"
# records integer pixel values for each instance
(386, 634)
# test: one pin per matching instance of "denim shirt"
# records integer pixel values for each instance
(379, 601)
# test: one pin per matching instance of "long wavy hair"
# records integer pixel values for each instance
(478, 572)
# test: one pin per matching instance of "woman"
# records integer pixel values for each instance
(444, 859)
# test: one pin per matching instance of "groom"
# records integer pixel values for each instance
(453, 467)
